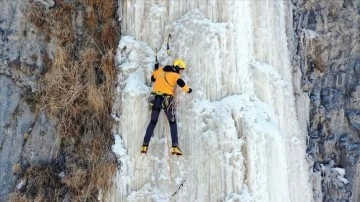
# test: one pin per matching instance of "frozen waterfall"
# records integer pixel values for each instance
(239, 129)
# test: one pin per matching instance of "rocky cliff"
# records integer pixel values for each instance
(327, 52)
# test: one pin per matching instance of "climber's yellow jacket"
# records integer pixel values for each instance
(165, 80)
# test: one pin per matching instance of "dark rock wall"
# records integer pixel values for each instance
(329, 56)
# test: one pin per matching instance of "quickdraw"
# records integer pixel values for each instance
(180, 186)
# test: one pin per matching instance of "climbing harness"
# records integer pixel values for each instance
(168, 104)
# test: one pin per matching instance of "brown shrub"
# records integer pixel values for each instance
(110, 34)
(90, 18)
(37, 14)
(17, 197)
(77, 90)
(107, 10)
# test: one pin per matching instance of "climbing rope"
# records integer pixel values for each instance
(171, 106)
(167, 149)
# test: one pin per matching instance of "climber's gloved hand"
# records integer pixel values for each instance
(156, 66)
(190, 90)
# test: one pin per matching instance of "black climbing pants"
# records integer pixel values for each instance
(167, 104)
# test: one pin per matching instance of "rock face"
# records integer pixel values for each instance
(328, 49)
(24, 138)
(16, 119)
(56, 80)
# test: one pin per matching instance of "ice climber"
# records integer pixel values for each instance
(165, 80)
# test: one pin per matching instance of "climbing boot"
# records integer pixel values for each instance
(144, 149)
(176, 150)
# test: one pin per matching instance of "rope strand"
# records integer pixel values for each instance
(167, 148)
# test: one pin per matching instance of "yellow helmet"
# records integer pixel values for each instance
(180, 63)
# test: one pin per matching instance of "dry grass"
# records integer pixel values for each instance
(36, 14)
(41, 181)
(76, 90)
(90, 18)
(76, 178)
(95, 97)
(108, 67)
(107, 9)
(18, 198)
(55, 23)
(61, 24)
(110, 33)
(107, 170)
(61, 86)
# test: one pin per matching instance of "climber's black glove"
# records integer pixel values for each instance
(156, 66)
(190, 90)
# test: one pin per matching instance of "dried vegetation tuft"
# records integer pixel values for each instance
(77, 90)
